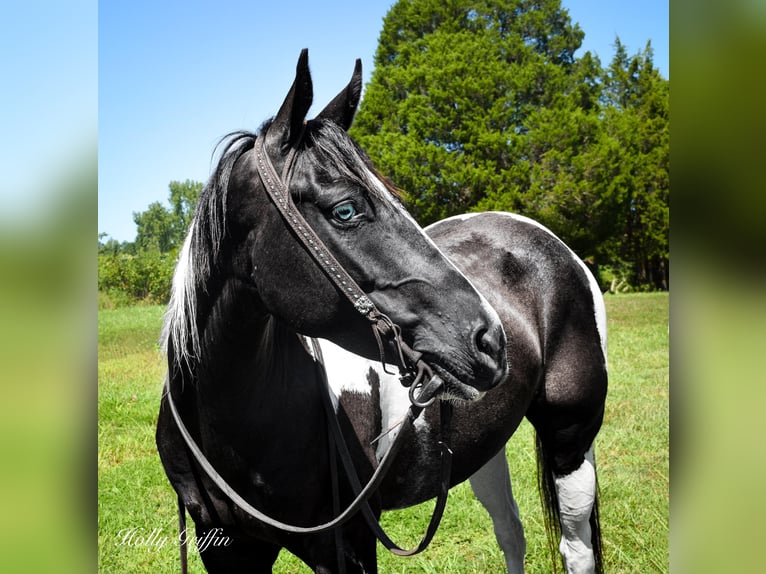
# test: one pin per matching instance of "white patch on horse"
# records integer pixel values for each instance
(394, 404)
(576, 492)
(461, 217)
(348, 372)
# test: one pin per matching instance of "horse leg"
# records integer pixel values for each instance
(576, 494)
(320, 552)
(492, 486)
(224, 550)
(567, 415)
(567, 473)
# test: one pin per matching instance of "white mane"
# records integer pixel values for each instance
(180, 323)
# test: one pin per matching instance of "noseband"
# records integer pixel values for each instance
(415, 371)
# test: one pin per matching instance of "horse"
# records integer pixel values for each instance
(492, 306)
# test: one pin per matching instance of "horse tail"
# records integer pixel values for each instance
(547, 488)
(549, 499)
(595, 536)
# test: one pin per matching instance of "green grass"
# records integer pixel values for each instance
(631, 451)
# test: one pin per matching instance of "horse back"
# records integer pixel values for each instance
(544, 292)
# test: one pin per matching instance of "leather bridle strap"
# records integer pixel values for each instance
(416, 373)
(280, 196)
(414, 369)
(277, 190)
(220, 482)
(362, 494)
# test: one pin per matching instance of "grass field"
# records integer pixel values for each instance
(137, 526)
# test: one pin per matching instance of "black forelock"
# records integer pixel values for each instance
(329, 145)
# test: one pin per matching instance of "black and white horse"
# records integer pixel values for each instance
(500, 309)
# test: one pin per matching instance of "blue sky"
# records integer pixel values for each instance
(175, 77)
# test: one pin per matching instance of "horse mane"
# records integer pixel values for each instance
(199, 255)
(326, 144)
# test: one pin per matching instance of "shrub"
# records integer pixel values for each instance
(144, 277)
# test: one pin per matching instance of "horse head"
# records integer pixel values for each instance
(358, 217)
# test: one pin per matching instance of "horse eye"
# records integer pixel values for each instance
(344, 211)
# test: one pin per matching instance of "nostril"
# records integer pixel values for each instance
(483, 345)
(487, 343)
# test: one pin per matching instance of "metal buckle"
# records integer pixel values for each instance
(364, 305)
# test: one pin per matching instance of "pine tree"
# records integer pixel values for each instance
(558, 159)
(636, 121)
(446, 112)
(482, 105)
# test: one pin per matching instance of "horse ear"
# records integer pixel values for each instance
(288, 123)
(343, 107)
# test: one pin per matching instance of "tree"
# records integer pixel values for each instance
(164, 229)
(482, 105)
(154, 229)
(558, 159)
(455, 83)
(637, 121)
(142, 270)
(597, 162)
(183, 202)
(109, 247)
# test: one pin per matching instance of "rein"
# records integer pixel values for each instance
(362, 494)
(417, 375)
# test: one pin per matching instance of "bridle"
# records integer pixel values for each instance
(414, 368)
(423, 385)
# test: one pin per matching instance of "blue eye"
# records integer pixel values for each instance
(344, 211)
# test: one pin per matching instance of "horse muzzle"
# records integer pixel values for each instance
(466, 375)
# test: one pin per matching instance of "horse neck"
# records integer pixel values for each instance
(252, 367)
